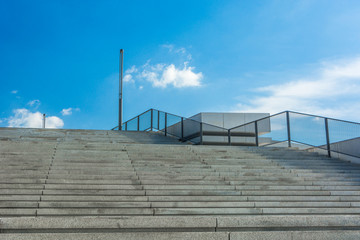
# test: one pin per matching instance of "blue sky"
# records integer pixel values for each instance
(184, 57)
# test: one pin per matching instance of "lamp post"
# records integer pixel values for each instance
(120, 86)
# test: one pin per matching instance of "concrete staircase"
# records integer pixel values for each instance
(82, 184)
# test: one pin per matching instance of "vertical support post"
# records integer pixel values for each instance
(165, 124)
(152, 115)
(44, 119)
(229, 137)
(158, 125)
(126, 126)
(182, 128)
(201, 133)
(256, 134)
(138, 123)
(327, 137)
(120, 86)
(288, 128)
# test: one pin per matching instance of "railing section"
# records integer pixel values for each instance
(285, 129)
(304, 131)
(182, 128)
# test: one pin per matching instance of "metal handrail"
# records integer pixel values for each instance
(199, 133)
(326, 147)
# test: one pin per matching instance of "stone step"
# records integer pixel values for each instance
(297, 235)
(93, 198)
(94, 211)
(19, 197)
(94, 204)
(93, 177)
(92, 182)
(123, 224)
(281, 204)
(119, 236)
(254, 211)
(91, 187)
(94, 171)
(92, 192)
(256, 223)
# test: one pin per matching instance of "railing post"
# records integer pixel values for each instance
(256, 134)
(182, 128)
(158, 127)
(125, 126)
(201, 133)
(288, 128)
(229, 137)
(165, 124)
(152, 114)
(138, 123)
(327, 137)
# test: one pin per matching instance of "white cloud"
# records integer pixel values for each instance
(34, 103)
(128, 78)
(128, 74)
(69, 111)
(333, 91)
(24, 118)
(163, 76)
(14, 91)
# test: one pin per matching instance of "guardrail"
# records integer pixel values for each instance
(284, 129)
(305, 131)
(185, 129)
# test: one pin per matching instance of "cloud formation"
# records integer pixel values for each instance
(14, 91)
(68, 111)
(128, 74)
(24, 118)
(333, 91)
(163, 75)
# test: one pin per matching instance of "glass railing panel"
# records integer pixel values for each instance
(145, 121)
(156, 119)
(309, 130)
(344, 137)
(272, 131)
(214, 134)
(191, 130)
(161, 121)
(243, 135)
(132, 125)
(173, 125)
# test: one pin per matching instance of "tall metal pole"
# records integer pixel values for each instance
(43, 123)
(120, 86)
